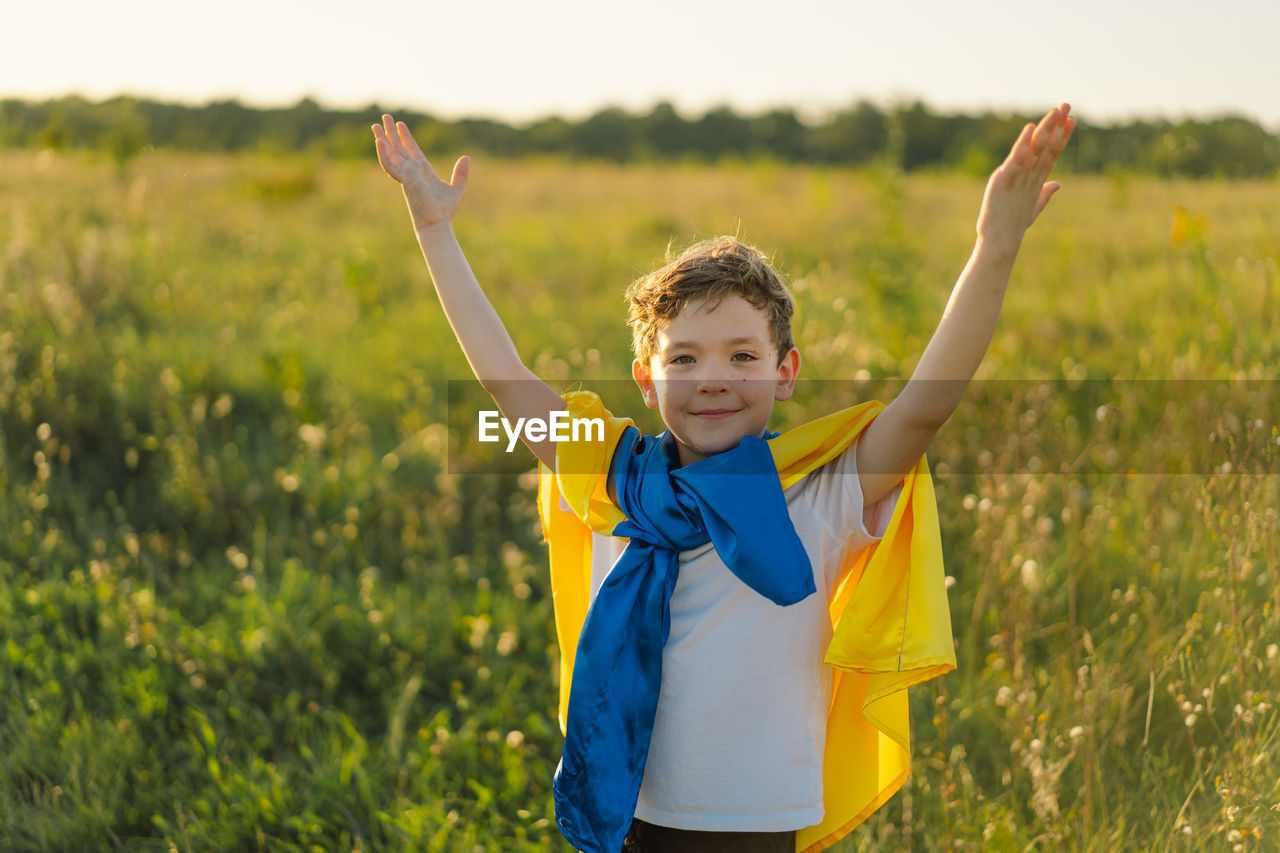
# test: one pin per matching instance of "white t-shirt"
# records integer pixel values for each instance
(740, 730)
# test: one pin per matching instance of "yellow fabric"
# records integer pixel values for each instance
(893, 633)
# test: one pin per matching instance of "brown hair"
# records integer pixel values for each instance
(711, 270)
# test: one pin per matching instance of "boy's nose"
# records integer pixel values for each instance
(713, 385)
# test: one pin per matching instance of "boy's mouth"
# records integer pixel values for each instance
(714, 414)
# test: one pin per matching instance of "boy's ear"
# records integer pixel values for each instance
(787, 373)
(640, 374)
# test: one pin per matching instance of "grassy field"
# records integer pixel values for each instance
(244, 604)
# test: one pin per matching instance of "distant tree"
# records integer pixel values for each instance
(664, 133)
(855, 135)
(492, 137)
(782, 134)
(127, 129)
(550, 135)
(224, 125)
(606, 134)
(1230, 146)
(722, 132)
(910, 135)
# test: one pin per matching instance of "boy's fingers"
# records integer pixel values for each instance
(385, 158)
(461, 171)
(1060, 140)
(1044, 130)
(406, 139)
(1021, 145)
(389, 128)
(409, 140)
(1069, 126)
(1055, 144)
(1052, 122)
(1046, 193)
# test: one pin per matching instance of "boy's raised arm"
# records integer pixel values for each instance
(485, 342)
(1015, 195)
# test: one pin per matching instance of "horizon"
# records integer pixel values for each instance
(806, 114)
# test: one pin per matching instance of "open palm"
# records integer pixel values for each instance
(431, 200)
(1017, 192)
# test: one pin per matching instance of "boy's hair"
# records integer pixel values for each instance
(711, 270)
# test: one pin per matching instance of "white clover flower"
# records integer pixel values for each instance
(1076, 732)
(1190, 720)
(1233, 836)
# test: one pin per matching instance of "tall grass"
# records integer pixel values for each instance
(245, 605)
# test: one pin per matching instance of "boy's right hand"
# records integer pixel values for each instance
(431, 200)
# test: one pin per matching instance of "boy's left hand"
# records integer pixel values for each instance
(1017, 192)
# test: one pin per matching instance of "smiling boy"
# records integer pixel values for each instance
(714, 369)
(702, 707)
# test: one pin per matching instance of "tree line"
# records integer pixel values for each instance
(909, 136)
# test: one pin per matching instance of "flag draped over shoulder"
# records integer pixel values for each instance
(892, 627)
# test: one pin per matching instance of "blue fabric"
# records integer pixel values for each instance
(732, 499)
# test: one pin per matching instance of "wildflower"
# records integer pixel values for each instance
(1233, 836)
(1004, 697)
(1031, 575)
(1076, 732)
(312, 435)
(1190, 720)
(1272, 651)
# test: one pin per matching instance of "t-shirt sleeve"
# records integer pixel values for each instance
(839, 502)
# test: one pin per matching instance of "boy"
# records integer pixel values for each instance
(703, 717)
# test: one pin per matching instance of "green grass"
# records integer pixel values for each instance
(244, 605)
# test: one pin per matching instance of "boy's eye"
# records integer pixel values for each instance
(682, 359)
(743, 356)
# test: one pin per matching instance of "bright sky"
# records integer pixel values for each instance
(519, 59)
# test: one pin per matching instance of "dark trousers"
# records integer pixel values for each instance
(647, 838)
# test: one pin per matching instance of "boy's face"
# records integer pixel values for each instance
(714, 376)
